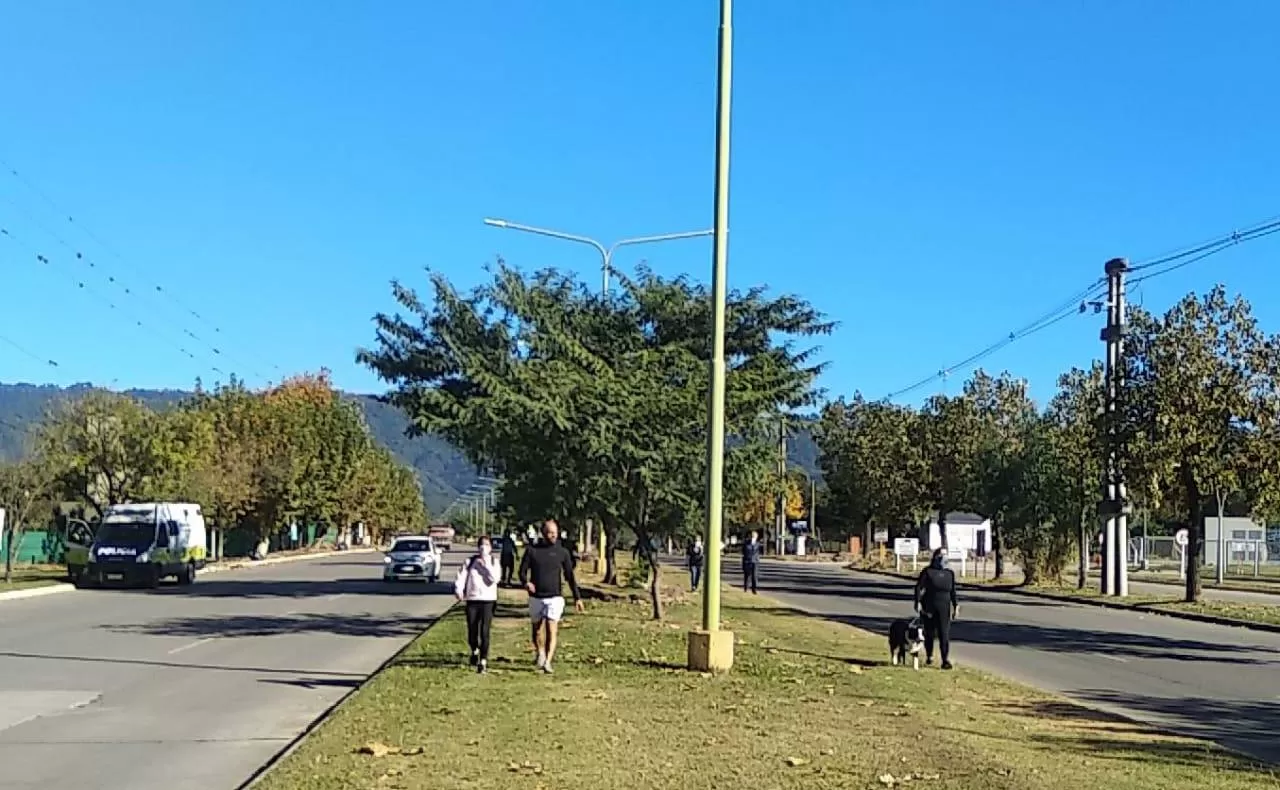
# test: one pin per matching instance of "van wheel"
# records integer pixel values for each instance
(188, 575)
(152, 577)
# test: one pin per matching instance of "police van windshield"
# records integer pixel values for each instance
(127, 533)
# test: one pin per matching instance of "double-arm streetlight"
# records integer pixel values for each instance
(606, 266)
(606, 253)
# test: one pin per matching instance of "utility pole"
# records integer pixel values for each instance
(710, 648)
(1114, 507)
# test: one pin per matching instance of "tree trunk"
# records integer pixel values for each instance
(611, 555)
(942, 527)
(9, 550)
(1195, 539)
(1082, 545)
(997, 544)
(655, 585)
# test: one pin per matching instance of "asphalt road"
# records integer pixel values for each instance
(192, 687)
(1208, 681)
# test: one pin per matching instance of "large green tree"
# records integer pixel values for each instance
(591, 407)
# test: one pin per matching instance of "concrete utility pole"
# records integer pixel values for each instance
(1114, 508)
(711, 649)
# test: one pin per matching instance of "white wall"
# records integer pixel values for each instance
(966, 535)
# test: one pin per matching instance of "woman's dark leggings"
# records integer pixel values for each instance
(937, 625)
(479, 621)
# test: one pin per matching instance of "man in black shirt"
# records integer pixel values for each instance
(543, 571)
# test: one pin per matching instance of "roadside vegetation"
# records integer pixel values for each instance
(810, 704)
(256, 461)
(1200, 426)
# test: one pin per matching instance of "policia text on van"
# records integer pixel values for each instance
(141, 544)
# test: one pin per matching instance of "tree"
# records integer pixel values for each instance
(1075, 440)
(105, 449)
(1202, 394)
(1005, 420)
(949, 434)
(590, 407)
(872, 463)
(24, 491)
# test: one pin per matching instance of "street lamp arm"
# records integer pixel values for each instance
(555, 234)
(691, 234)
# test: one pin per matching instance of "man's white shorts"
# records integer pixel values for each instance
(546, 609)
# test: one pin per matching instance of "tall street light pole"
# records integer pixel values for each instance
(606, 266)
(711, 649)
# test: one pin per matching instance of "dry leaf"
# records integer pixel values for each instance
(412, 751)
(597, 660)
(855, 669)
(606, 644)
(796, 762)
(377, 749)
(886, 779)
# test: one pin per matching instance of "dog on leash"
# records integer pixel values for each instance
(906, 638)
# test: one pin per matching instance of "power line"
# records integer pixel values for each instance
(1079, 303)
(1075, 305)
(163, 295)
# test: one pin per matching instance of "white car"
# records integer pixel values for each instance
(412, 557)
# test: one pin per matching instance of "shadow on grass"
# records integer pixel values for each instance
(1245, 727)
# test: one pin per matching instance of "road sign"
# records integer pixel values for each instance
(906, 547)
(881, 535)
(1181, 537)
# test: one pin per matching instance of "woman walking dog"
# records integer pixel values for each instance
(936, 603)
(477, 585)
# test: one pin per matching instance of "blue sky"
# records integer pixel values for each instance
(930, 174)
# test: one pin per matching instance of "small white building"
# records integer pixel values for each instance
(968, 530)
(1244, 537)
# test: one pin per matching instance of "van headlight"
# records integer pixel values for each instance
(387, 560)
(143, 557)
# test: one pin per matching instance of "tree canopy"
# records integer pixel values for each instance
(591, 407)
(1199, 420)
(256, 461)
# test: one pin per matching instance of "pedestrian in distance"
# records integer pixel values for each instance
(508, 558)
(751, 552)
(935, 600)
(694, 554)
(477, 586)
(544, 569)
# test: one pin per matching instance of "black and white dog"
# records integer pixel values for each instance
(906, 637)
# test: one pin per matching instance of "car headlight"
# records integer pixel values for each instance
(386, 560)
(143, 557)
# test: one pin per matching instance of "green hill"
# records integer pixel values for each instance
(444, 472)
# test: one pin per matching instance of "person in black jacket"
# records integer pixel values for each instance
(936, 603)
(751, 551)
(544, 569)
(508, 557)
(694, 554)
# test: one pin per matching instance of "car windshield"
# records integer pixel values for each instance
(411, 545)
(127, 533)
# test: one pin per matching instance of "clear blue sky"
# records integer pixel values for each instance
(931, 174)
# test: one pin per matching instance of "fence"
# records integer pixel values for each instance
(1258, 559)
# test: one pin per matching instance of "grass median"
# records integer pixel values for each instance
(809, 704)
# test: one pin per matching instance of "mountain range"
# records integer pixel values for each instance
(443, 471)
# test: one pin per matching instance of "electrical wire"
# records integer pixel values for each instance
(1155, 267)
(162, 295)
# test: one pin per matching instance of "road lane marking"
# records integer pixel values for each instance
(1113, 658)
(196, 643)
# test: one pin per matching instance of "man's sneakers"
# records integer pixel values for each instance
(541, 662)
(546, 667)
(475, 657)
(482, 667)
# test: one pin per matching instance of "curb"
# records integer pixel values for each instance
(1124, 607)
(261, 771)
(234, 565)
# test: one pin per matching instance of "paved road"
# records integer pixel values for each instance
(191, 687)
(1209, 681)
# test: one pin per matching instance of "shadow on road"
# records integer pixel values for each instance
(1247, 726)
(183, 665)
(315, 683)
(354, 624)
(293, 588)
